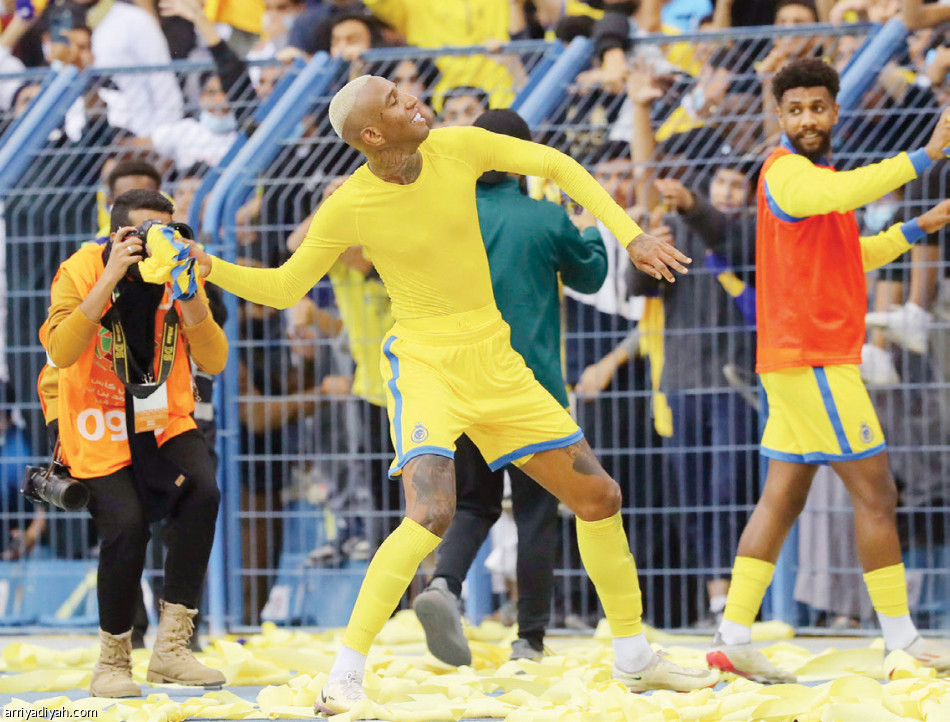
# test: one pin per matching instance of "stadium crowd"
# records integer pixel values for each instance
(675, 129)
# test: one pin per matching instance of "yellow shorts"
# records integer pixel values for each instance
(818, 415)
(459, 374)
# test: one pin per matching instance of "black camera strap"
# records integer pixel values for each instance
(122, 360)
(57, 459)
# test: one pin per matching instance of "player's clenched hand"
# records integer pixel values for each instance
(202, 259)
(657, 257)
(939, 144)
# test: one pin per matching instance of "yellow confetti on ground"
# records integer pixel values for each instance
(572, 684)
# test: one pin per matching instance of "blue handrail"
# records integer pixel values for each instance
(867, 64)
(538, 73)
(549, 91)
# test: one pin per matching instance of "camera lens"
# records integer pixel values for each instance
(74, 497)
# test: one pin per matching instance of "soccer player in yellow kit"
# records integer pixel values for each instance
(810, 304)
(448, 363)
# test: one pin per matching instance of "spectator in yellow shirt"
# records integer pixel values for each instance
(442, 23)
(244, 17)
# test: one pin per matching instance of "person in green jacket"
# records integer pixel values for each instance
(529, 242)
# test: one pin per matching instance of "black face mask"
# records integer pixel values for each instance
(136, 304)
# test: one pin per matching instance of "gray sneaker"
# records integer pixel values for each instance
(522, 649)
(438, 612)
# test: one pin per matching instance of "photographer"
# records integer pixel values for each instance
(129, 436)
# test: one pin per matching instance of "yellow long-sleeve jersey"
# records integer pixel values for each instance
(423, 237)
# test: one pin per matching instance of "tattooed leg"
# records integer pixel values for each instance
(429, 485)
(574, 476)
(583, 460)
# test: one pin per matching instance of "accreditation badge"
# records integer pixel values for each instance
(151, 412)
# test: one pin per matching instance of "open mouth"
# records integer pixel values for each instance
(417, 118)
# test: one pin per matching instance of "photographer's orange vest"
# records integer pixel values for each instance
(92, 425)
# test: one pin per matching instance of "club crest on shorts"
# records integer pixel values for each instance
(419, 433)
(866, 434)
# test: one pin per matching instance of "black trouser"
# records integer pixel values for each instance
(479, 491)
(124, 533)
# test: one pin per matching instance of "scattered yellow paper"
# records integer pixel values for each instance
(572, 684)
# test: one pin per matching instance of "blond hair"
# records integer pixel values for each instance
(343, 102)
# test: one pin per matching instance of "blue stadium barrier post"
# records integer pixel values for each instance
(864, 69)
(538, 73)
(478, 586)
(551, 88)
(217, 563)
(223, 202)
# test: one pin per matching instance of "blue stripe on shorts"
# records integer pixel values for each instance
(832, 410)
(394, 390)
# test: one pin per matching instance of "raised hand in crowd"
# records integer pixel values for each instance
(640, 83)
(582, 218)
(190, 10)
(675, 195)
(936, 218)
(938, 146)
(336, 385)
(597, 377)
(22, 541)
(611, 75)
(24, 9)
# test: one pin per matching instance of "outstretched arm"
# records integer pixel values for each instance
(275, 287)
(502, 152)
(796, 188)
(332, 231)
(492, 151)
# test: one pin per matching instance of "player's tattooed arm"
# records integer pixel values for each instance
(429, 484)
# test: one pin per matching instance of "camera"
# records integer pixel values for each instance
(55, 486)
(142, 231)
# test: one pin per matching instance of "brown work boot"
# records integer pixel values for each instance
(112, 675)
(172, 661)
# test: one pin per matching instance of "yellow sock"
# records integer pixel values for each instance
(750, 578)
(888, 590)
(388, 576)
(606, 555)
